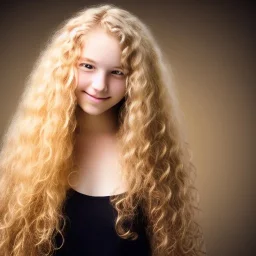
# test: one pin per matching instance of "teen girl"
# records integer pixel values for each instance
(94, 161)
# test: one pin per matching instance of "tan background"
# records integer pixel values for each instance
(210, 45)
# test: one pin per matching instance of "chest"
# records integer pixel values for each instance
(99, 171)
(90, 229)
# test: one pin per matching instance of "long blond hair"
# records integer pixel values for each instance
(36, 155)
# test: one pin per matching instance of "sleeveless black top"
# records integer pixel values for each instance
(90, 229)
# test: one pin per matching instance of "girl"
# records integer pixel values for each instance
(94, 161)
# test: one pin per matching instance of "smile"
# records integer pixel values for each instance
(94, 99)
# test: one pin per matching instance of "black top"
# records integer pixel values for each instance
(90, 229)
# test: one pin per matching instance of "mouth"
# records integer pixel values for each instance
(96, 97)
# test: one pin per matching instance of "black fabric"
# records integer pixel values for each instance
(90, 229)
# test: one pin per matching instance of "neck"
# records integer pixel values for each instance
(105, 124)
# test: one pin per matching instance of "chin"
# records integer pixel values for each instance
(92, 111)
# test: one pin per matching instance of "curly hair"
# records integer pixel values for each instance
(36, 157)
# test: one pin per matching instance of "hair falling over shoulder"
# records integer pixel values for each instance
(36, 153)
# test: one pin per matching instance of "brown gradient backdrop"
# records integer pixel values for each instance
(210, 47)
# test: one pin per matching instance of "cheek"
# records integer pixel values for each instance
(83, 80)
(119, 88)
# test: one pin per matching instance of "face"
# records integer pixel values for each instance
(101, 80)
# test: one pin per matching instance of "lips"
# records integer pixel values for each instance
(95, 96)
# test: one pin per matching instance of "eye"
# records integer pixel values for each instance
(118, 73)
(88, 66)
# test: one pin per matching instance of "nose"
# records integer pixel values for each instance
(99, 82)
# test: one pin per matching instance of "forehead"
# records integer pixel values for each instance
(101, 47)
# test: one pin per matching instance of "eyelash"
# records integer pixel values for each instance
(84, 64)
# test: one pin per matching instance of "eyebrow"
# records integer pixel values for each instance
(88, 59)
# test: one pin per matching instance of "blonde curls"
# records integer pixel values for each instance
(36, 158)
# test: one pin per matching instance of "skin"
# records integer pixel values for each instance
(95, 148)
